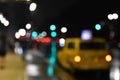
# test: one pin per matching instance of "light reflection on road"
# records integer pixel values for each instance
(38, 67)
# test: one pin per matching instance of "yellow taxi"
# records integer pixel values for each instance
(81, 54)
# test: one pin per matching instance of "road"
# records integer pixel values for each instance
(15, 69)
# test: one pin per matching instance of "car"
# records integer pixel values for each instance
(79, 55)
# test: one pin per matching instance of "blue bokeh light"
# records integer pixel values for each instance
(86, 35)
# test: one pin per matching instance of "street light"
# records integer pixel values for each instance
(22, 32)
(33, 6)
(114, 29)
(63, 29)
(28, 26)
(113, 16)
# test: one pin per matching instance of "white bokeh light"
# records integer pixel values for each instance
(6, 23)
(28, 26)
(63, 29)
(17, 35)
(115, 74)
(110, 16)
(44, 33)
(32, 70)
(22, 32)
(3, 20)
(115, 15)
(33, 7)
(61, 42)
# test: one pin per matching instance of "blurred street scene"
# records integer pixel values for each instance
(59, 40)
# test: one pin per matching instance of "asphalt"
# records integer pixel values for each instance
(15, 69)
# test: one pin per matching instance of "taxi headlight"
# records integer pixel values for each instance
(77, 58)
(108, 58)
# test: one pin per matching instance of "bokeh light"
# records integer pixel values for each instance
(63, 29)
(33, 7)
(22, 32)
(28, 26)
(97, 26)
(52, 27)
(17, 35)
(86, 35)
(61, 42)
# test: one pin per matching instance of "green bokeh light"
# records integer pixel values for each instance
(98, 27)
(52, 27)
(53, 34)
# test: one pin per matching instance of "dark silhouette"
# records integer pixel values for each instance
(3, 50)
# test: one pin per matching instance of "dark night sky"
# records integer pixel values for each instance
(74, 14)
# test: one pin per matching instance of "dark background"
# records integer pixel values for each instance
(76, 15)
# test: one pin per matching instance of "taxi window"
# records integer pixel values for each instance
(92, 45)
(71, 45)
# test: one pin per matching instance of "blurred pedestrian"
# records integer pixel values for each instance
(3, 50)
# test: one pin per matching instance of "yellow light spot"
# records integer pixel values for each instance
(108, 58)
(77, 59)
